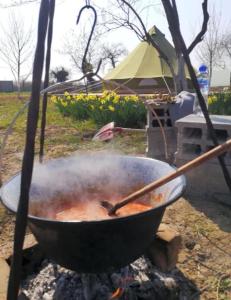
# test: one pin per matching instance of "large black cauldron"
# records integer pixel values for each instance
(95, 246)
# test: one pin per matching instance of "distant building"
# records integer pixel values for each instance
(6, 86)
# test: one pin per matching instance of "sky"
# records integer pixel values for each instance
(65, 20)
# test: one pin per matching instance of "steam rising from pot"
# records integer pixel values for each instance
(74, 187)
(82, 173)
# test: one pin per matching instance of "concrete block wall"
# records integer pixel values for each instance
(192, 140)
(193, 137)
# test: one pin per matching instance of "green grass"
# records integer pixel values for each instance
(10, 105)
(63, 134)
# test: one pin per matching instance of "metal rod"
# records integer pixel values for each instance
(46, 81)
(28, 158)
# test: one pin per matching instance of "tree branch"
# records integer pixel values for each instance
(201, 34)
(147, 35)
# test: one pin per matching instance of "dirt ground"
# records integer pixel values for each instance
(205, 224)
(205, 257)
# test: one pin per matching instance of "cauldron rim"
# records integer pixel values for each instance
(53, 221)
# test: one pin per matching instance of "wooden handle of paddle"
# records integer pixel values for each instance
(182, 170)
(132, 130)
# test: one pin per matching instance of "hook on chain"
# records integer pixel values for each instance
(87, 6)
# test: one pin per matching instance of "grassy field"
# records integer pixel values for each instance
(205, 225)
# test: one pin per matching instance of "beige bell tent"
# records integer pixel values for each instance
(143, 70)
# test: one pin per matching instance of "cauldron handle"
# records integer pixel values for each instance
(182, 170)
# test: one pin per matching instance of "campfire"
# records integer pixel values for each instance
(139, 280)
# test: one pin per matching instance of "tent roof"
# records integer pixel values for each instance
(144, 61)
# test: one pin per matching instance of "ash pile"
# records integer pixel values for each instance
(140, 280)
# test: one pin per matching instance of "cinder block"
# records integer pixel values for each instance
(156, 146)
(155, 143)
(162, 112)
(164, 250)
(193, 138)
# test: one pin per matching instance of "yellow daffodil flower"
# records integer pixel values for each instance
(111, 108)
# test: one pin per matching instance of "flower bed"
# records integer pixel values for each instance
(220, 103)
(126, 111)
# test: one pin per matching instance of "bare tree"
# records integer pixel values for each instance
(120, 14)
(112, 53)
(60, 74)
(16, 49)
(226, 44)
(209, 51)
(226, 48)
(74, 47)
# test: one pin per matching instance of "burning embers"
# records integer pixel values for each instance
(139, 280)
(87, 207)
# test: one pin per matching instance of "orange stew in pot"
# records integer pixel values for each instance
(89, 208)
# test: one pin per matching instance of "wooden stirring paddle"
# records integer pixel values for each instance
(182, 170)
